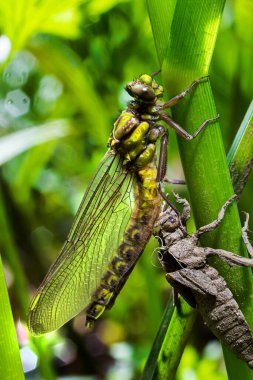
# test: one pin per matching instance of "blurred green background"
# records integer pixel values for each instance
(63, 70)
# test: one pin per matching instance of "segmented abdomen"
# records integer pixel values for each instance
(224, 317)
(146, 208)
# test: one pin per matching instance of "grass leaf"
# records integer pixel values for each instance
(30, 18)
(10, 363)
(18, 142)
(190, 42)
(240, 156)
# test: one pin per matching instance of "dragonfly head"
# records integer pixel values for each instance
(145, 89)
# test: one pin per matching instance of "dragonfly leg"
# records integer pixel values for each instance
(181, 131)
(214, 224)
(174, 181)
(168, 201)
(155, 73)
(162, 164)
(162, 170)
(180, 96)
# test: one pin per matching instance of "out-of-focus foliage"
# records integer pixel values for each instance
(63, 70)
(21, 20)
(209, 366)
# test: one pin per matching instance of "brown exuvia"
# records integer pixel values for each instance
(200, 284)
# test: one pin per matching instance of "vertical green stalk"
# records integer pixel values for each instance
(12, 258)
(10, 363)
(190, 37)
(239, 160)
(21, 291)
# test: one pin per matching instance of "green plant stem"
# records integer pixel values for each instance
(208, 192)
(190, 39)
(238, 159)
(21, 292)
(12, 258)
(165, 348)
(10, 363)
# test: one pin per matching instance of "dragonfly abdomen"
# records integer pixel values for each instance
(147, 202)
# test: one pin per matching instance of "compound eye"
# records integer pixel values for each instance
(142, 91)
(147, 93)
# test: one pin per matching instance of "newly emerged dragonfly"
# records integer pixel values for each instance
(116, 217)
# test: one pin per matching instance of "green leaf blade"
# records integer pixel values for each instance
(190, 43)
(240, 156)
(10, 363)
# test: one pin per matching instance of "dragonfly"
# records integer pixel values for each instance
(116, 216)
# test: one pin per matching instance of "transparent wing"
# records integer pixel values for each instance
(96, 233)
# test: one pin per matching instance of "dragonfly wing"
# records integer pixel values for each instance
(96, 233)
